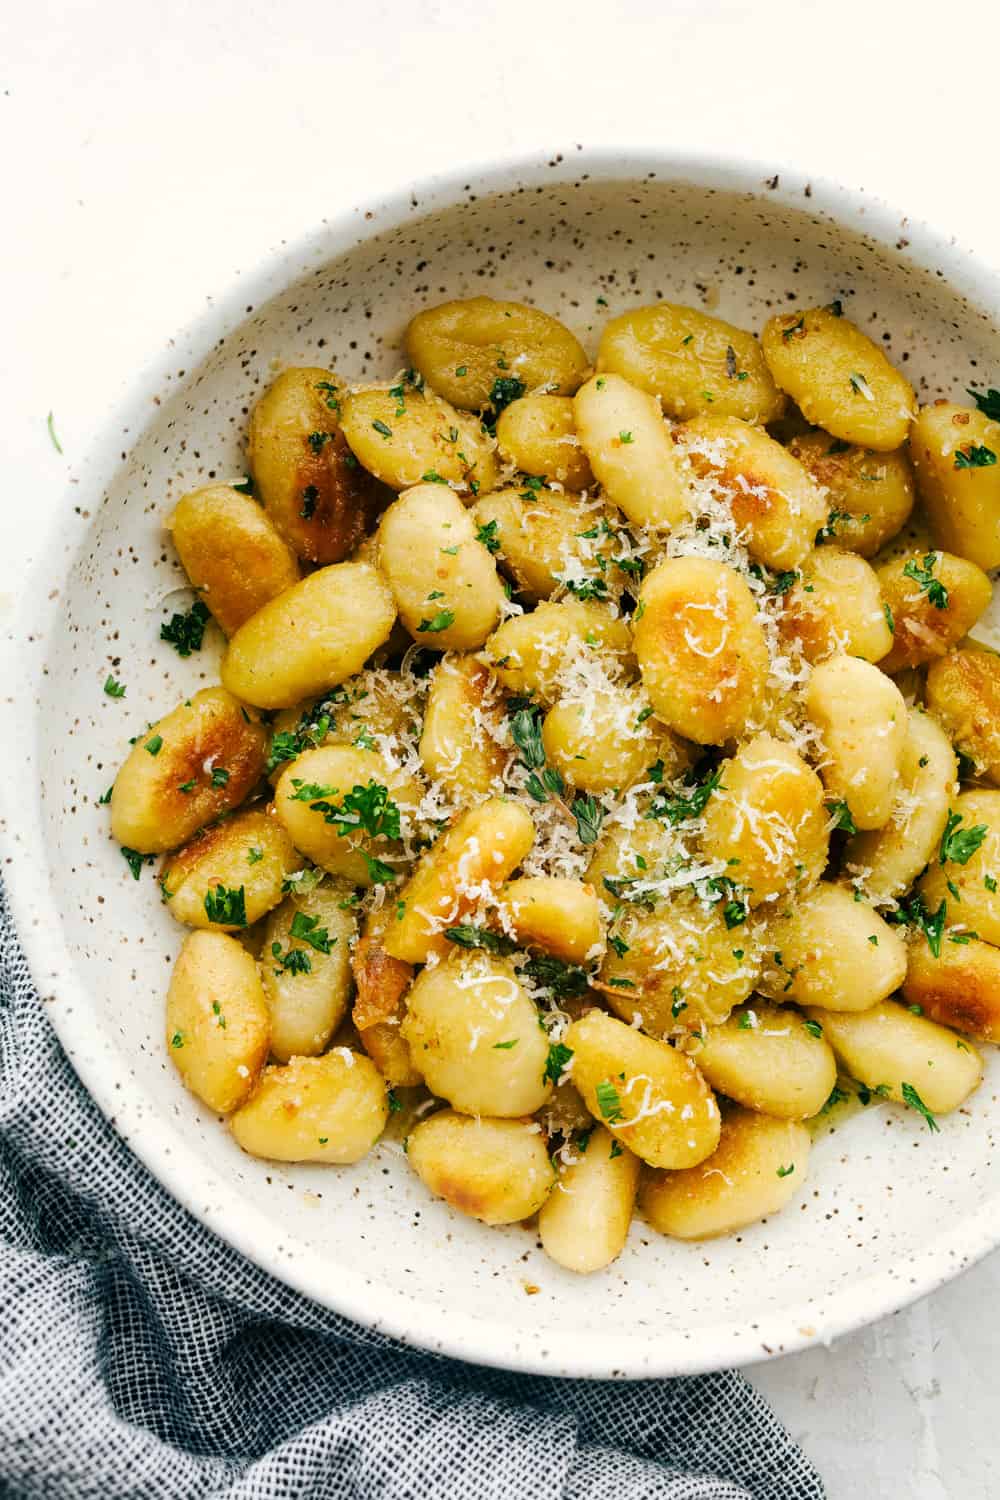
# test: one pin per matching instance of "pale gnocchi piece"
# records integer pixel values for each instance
(758, 1167)
(602, 739)
(231, 874)
(407, 437)
(538, 435)
(217, 1023)
(692, 362)
(443, 580)
(870, 495)
(542, 537)
(836, 606)
(767, 821)
(830, 949)
(584, 1222)
(497, 1171)
(955, 451)
(305, 965)
(311, 638)
(480, 353)
(380, 1004)
(902, 1056)
(647, 1094)
(968, 859)
(886, 861)
(310, 485)
(309, 799)
(531, 652)
(330, 1109)
(775, 502)
(959, 986)
(232, 553)
(191, 766)
(552, 912)
(476, 1037)
(963, 694)
(934, 599)
(484, 846)
(769, 1058)
(840, 380)
(862, 718)
(700, 648)
(460, 744)
(631, 451)
(678, 967)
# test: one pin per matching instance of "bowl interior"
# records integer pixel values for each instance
(369, 1240)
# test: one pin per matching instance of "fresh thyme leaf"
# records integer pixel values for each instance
(677, 808)
(526, 732)
(566, 981)
(589, 815)
(465, 935)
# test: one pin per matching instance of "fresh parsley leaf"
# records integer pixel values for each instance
(913, 1099)
(556, 1062)
(505, 1046)
(487, 534)
(887, 611)
(367, 808)
(988, 403)
(786, 1171)
(154, 745)
(609, 1102)
(782, 582)
(378, 872)
(813, 1027)
(923, 574)
(226, 905)
(114, 689)
(587, 588)
(135, 860)
(959, 844)
(505, 389)
(975, 456)
(295, 961)
(254, 855)
(308, 930)
(220, 776)
(440, 621)
(842, 818)
(837, 1096)
(677, 808)
(566, 981)
(185, 632)
(915, 914)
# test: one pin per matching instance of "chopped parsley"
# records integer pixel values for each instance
(220, 776)
(50, 423)
(432, 477)
(185, 632)
(556, 1062)
(958, 845)
(842, 817)
(254, 855)
(440, 621)
(155, 745)
(677, 808)
(379, 873)
(308, 930)
(923, 574)
(786, 1171)
(913, 1099)
(487, 534)
(566, 981)
(988, 403)
(887, 611)
(381, 428)
(625, 437)
(114, 689)
(505, 389)
(295, 961)
(368, 809)
(609, 1103)
(227, 906)
(813, 1027)
(974, 456)
(915, 914)
(135, 860)
(505, 1046)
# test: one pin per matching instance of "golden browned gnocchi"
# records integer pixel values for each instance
(217, 1020)
(481, 353)
(758, 1166)
(839, 378)
(700, 648)
(771, 497)
(861, 716)
(443, 579)
(870, 495)
(538, 435)
(494, 1170)
(933, 599)
(233, 555)
(311, 638)
(405, 437)
(317, 496)
(955, 452)
(615, 793)
(692, 362)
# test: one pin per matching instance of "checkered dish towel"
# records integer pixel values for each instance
(142, 1357)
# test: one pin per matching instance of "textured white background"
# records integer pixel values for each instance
(152, 152)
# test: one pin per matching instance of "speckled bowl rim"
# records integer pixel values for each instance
(157, 1141)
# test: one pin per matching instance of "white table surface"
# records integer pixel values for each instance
(153, 152)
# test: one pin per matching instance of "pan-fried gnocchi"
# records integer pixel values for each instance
(595, 786)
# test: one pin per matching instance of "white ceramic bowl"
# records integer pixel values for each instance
(889, 1211)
